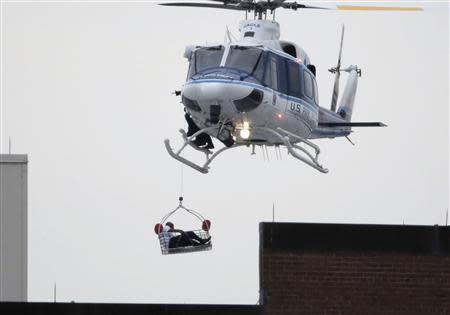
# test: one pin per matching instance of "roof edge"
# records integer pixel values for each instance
(13, 158)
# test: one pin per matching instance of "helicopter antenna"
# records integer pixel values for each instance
(229, 36)
(337, 71)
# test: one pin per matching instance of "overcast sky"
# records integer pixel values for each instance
(86, 93)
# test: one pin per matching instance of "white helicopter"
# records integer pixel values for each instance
(260, 90)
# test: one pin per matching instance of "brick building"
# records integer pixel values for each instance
(322, 269)
(354, 269)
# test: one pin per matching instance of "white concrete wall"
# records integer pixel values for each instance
(13, 227)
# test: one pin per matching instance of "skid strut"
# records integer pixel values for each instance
(294, 149)
(209, 155)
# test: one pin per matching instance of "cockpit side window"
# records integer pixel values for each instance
(244, 58)
(258, 71)
(205, 58)
(294, 81)
(271, 74)
(274, 73)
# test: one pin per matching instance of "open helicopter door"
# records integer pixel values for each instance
(174, 241)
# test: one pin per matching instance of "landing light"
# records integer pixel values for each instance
(280, 115)
(245, 132)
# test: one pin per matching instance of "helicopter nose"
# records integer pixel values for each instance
(208, 93)
(198, 96)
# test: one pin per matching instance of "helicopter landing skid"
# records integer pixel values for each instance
(297, 151)
(209, 155)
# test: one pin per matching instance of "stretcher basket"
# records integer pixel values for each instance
(178, 244)
(194, 247)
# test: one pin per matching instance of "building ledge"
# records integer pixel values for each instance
(320, 237)
(13, 158)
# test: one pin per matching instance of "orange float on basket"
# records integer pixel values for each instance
(158, 228)
(206, 225)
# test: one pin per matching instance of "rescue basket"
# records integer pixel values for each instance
(178, 241)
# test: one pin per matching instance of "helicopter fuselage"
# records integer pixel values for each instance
(223, 97)
(242, 85)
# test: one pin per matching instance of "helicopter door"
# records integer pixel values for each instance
(272, 80)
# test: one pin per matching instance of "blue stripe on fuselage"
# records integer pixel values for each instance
(246, 83)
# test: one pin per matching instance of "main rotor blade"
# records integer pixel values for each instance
(227, 1)
(375, 8)
(245, 5)
(203, 5)
(269, 4)
(295, 6)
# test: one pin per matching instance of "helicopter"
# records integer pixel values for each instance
(259, 90)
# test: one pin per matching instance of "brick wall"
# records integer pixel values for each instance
(354, 269)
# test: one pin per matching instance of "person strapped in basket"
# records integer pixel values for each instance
(174, 238)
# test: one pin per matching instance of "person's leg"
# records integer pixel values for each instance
(185, 240)
(193, 236)
(209, 143)
(197, 238)
(192, 127)
(202, 140)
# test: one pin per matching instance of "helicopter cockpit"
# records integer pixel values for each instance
(204, 58)
(244, 60)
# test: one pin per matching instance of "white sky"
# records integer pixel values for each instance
(86, 93)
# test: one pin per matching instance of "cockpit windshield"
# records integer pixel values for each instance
(205, 58)
(245, 58)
